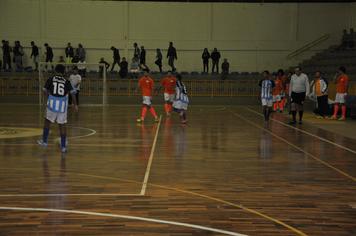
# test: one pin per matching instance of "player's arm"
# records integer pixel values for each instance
(47, 87)
(260, 83)
(307, 86)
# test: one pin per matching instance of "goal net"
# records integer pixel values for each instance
(93, 86)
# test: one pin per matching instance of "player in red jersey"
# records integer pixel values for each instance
(342, 85)
(146, 85)
(169, 85)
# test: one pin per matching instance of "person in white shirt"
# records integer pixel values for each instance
(75, 80)
(298, 90)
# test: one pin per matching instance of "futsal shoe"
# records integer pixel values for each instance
(184, 122)
(300, 122)
(156, 119)
(64, 150)
(292, 122)
(41, 143)
(139, 120)
(333, 118)
(342, 118)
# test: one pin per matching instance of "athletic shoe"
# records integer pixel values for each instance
(184, 121)
(139, 120)
(41, 143)
(63, 150)
(333, 118)
(292, 122)
(300, 122)
(342, 118)
(156, 119)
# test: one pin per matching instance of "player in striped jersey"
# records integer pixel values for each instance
(57, 89)
(267, 85)
(181, 100)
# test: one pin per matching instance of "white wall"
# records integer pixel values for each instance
(252, 36)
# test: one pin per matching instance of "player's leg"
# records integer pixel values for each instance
(63, 134)
(336, 106)
(46, 127)
(300, 112)
(343, 107)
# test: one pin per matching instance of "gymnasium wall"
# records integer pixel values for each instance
(253, 37)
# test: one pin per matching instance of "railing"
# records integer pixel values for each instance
(128, 87)
(308, 46)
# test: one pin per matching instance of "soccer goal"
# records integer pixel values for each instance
(93, 86)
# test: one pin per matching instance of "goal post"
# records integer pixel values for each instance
(93, 87)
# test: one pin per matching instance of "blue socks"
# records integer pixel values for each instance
(63, 141)
(45, 135)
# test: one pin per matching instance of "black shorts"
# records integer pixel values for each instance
(297, 98)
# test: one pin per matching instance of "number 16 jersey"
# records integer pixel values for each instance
(58, 88)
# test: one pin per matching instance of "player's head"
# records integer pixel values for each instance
(342, 69)
(317, 74)
(298, 70)
(59, 69)
(266, 74)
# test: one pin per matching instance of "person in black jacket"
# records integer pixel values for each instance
(171, 55)
(69, 52)
(124, 68)
(116, 57)
(215, 57)
(18, 54)
(158, 61)
(225, 66)
(205, 56)
(34, 54)
(49, 55)
(143, 56)
(6, 55)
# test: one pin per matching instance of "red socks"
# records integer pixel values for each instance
(143, 112)
(343, 111)
(336, 110)
(153, 112)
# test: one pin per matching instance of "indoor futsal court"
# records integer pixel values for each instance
(224, 173)
(177, 118)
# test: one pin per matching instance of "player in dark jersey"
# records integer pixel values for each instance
(57, 89)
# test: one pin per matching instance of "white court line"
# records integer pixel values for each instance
(147, 173)
(125, 217)
(306, 132)
(69, 194)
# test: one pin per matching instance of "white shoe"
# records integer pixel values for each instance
(41, 143)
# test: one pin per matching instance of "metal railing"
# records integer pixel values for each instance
(308, 46)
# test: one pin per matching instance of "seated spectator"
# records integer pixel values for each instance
(75, 80)
(123, 68)
(101, 67)
(225, 66)
(135, 67)
(82, 68)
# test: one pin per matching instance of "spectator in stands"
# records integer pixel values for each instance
(298, 90)
(124, 68)
(320, 91)
(49, 55)
(171, 55)
(205, 56)
(82, 69)
(136, 51)
(342, 84)
(101, 67)
(225, 69)
(69, 52)
(61, 60)
(158, 61)
(6, 55)
(116, 57)
(34, 54)
(75, 80)
(143, 56)
(215, 57)
(18, 53)
(81, 52)
(134, 67)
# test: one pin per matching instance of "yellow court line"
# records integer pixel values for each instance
(306, 132)
(255, 212)
(296, 147)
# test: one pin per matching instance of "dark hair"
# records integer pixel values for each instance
(280, 71)
(179, 77)
(46, 44)
(60, 68)
(266, 71)
(343, 69)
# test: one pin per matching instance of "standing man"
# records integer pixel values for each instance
(158, 61)
(215, 57)
(57, 89)
(116, 57)
(49, 55)
(136, 52)
(18, 53)
(34, 54)
(320, 90)
(143, 56)
(298, 90)
(169, 85)
(277, 94)
(267, 86)
(69, 51)
(6, 55)
(225, 66)
(171, 55)
(146, 85)
(205, 56)
(75, 80)
(81, 52)
(342, 85)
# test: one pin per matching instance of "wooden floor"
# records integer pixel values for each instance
(225, 173)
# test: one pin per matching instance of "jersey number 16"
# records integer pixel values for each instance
(58, 88)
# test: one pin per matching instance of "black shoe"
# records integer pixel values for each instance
(292, 122)
(300, 122)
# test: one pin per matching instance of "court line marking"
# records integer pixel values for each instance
(149, 164)
(306, 132)
(239, 206)
(295, 146)
(152, 220)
